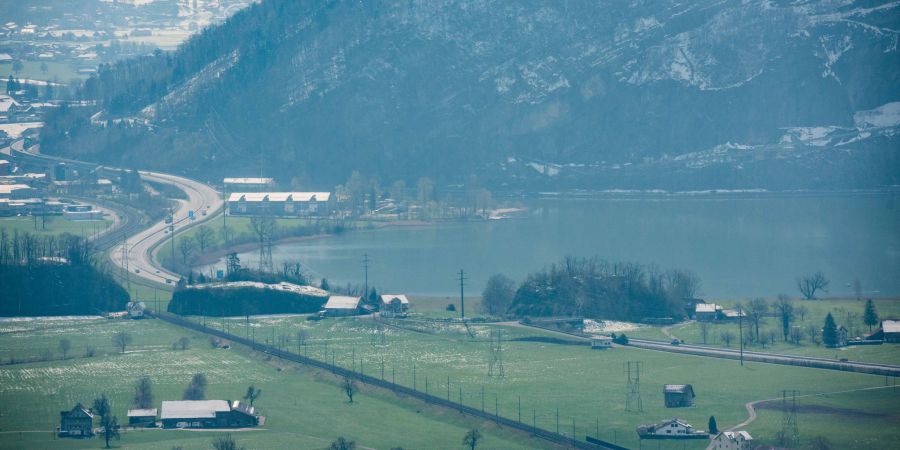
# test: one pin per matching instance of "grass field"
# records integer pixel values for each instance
(304, 408)
(845, 312)
(586, 385)
(54, 225)
(60, 71)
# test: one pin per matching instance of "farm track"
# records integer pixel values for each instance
(751, 406)
(769, 358)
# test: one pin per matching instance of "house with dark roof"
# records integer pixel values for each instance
(77, 422)
(678, 395)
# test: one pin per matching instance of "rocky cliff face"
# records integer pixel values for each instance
(602, 94)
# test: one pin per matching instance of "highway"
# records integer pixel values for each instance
(142, 241)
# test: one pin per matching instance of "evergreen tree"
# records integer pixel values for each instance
(870, 317)
(713, 427)
(830, 332)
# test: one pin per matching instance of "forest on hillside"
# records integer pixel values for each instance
(54, 276)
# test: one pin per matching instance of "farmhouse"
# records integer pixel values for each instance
(678, 395)
(281, 204)
(207, 414)
(394, 305)
(731, 440)
(142, 417)
(78, 422)
(136, 309)
(601, 342)
(16, 191)
(707, 312)
(247, 184)
(842, 336)
(339, 305)
(670, 429)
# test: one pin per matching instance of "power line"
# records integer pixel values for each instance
(462, 299)
(633, 388)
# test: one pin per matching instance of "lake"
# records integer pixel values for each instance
(740, 247)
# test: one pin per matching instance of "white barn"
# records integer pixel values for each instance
(340, 305)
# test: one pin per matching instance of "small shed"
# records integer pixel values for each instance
(601, 342)
(77, 422)
(394, 305)
(339, 305)
(142, 417)
(678, 395)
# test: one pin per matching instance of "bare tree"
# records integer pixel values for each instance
(302, 339)
(196, 390)
(810, 284)
(349, 387)
(64, 346)
(121, 340)
(756, 312)
(727, 337)
(857, 289)
(252, 394)
(183, 342)
(143, 393)
(186, 246)
(109, 422)
(498, 295)
(785, 310)
(801, 311)
(814, 334)
(205, 237)
(342, 443)
(684, 284)
(225, 443)
(704, 330)
(471, 439)
(796, 335)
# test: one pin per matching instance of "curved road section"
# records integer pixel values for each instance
(137, 255)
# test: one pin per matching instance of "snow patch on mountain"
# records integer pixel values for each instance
(887, 115)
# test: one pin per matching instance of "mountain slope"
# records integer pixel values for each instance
(526, 94)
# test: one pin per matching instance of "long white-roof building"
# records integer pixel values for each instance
(281, 204)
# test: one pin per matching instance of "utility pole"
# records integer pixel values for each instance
(790, 429)
(225, 225)
(633, 388)
(462, 298)
(366, 269)
(741, 332)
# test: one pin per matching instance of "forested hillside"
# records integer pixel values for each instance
(535, 94)
(49, 276)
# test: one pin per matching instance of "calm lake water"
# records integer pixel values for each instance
(740, 247)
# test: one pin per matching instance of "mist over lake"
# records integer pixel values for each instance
(740, 247)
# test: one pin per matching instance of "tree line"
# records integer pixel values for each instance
(49, 275)
(593, 287)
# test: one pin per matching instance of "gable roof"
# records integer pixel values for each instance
(664, 424)
(890, 326)
(734, 435)
(244, 408)
(142, 412)
(78, 410)
(342, 302)
(193, 409)
(678, 389)
(279, 196)
(387, 298)
(707, 307)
